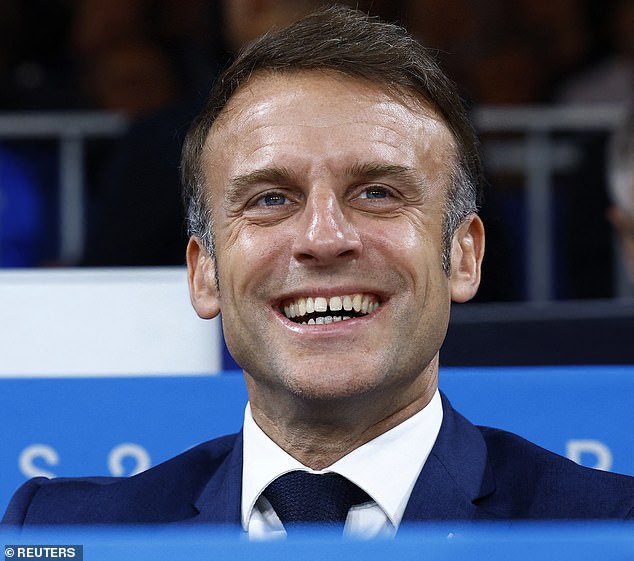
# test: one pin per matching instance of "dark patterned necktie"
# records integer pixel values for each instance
(300, 497)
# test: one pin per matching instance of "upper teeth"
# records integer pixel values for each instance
(360, 303)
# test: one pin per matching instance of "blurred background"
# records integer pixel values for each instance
(95, 99)
(96, 96)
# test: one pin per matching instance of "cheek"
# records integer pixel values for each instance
(247, 254)
(409, 241)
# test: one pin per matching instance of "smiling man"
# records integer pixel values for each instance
(328, 197)
(332, 185)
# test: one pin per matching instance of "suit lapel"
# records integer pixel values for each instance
(455, 475)
(219, 502)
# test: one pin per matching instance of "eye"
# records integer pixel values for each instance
(374, 192)
(375, 198)
(272, 199)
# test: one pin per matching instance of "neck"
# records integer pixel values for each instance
(317, 433)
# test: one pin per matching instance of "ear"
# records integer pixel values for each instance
(467, 252)
(201, 275)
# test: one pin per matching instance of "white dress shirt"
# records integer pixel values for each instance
(386, 468)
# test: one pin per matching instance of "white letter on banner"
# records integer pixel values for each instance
(575, 448)
(128, 450)
(30, 453)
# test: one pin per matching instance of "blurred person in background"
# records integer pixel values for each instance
(22, 223)
(135, 67)
(133, 77)
(38, 69)
(137, 200)
(621, 190)
(611, 78)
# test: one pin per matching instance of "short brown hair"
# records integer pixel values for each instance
(349, 42)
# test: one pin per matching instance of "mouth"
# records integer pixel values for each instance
(321, 310)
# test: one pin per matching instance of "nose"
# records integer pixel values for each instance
(325, 235)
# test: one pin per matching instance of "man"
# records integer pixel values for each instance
(621, 190)
(332, 187)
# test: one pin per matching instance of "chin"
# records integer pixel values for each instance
(331, 383)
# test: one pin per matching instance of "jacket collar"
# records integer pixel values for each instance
(219, 501)
(456, 474)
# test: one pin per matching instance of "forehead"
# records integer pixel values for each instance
(321, 85)
(300, 112)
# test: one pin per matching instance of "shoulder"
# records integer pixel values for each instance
(163, 493)
(537, 483)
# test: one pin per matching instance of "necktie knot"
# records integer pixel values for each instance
(302, 497)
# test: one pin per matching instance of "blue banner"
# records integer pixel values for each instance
(437, 542)
(119, 426)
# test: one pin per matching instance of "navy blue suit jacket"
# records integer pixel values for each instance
(472, 473)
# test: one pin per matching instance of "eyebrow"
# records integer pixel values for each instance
(276, 175)
(376, 170)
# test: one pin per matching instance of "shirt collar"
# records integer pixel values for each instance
(402, 450)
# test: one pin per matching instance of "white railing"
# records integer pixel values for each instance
(538, 159)
(71, 130)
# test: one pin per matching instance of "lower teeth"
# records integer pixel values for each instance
(324, 320)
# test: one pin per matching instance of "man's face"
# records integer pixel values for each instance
(328, 198)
